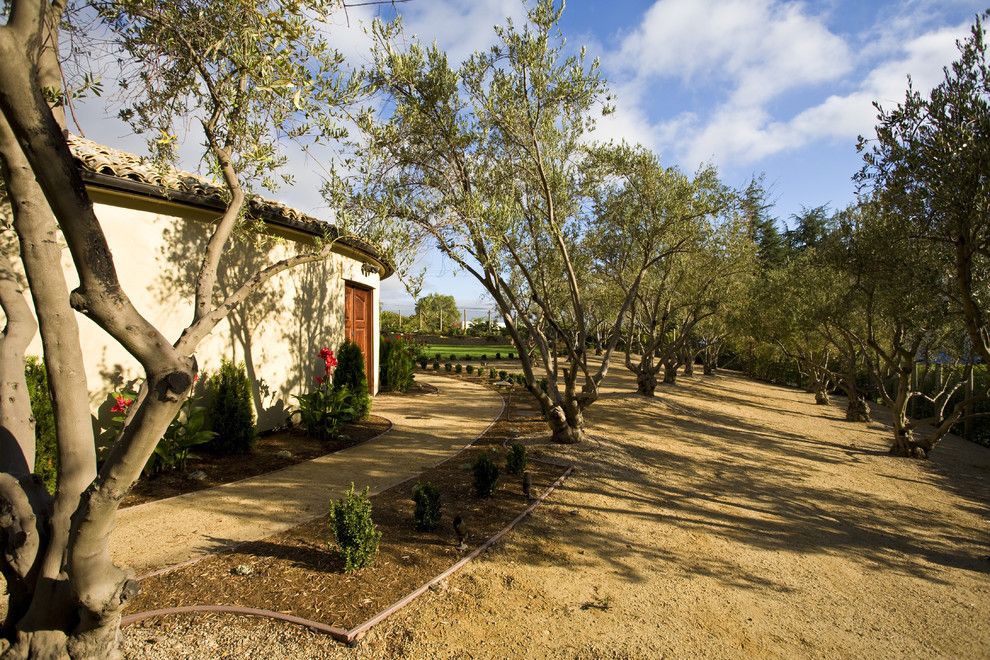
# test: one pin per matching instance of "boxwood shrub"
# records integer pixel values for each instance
(350, 372)
(486, 474)
(230, 410)
(428, 506)
(354, 530)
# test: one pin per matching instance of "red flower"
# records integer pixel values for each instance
(318, 379)
(122, 405)
(328, 358)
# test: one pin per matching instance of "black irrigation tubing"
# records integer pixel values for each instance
(355, 634)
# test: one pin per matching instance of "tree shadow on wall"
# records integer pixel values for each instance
(249, 250)
(315, 322)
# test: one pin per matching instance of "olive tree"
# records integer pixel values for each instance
(250, 73)
(790, 309)
(680, 294)
(679, 289)
(928, 165)
(899, 289)
(486, 160)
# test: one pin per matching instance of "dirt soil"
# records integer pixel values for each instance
(297, 572)
(264, 457)
(724, 518)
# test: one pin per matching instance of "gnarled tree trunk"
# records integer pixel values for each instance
(710, 358)
(689, 358)
(646, 382)
(905, 442)
(820, 383)
(566, 423)
(857, 409)
(670, 366)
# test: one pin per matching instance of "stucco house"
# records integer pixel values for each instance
(157, 224)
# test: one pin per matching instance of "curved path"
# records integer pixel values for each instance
(427, 431)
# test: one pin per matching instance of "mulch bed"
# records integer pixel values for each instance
(297, 572)
(417, 389)
(263, 458)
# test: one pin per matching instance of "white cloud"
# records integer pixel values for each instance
(461, 27)
(746, 135)
(759, 51)
(761, 48)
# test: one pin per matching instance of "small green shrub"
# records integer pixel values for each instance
(470, 369)
(458, 368)
(468, 357)
(484, 357)
(452, 357)
(350, 372)
(515, 462)
(437, 357)
(511, 355)
(398, 365)
(448, 366)
(498, 356)
(436, 365)
(422, 361)
(485, 475)
(503, 375)
(428, 505)
(492, 373)
(230, 411)
(46, 447)
(354, 530)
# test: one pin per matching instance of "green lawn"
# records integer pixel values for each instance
(476, 352)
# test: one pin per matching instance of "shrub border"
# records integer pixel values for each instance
(354, 635)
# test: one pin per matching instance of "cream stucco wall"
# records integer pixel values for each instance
(156, 253)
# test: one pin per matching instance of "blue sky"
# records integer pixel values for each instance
(754, 86)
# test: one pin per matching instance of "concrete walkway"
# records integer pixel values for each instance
(427, 430)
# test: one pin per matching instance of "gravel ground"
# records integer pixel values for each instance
(725, 518)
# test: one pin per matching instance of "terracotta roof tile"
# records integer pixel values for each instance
(103, 161)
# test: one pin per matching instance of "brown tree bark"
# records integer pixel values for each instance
(646, 382)
(17, 443)
(688, 359)
(66, 594)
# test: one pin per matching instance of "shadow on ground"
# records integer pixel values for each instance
(768, 471)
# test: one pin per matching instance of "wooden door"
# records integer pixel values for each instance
(358, 325)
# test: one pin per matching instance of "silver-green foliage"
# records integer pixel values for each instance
(484, 160)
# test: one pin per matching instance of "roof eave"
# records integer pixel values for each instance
(215, 204)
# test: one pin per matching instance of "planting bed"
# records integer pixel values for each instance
(296, 572)
(476, 351)
(417, 389)
(263, 458)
